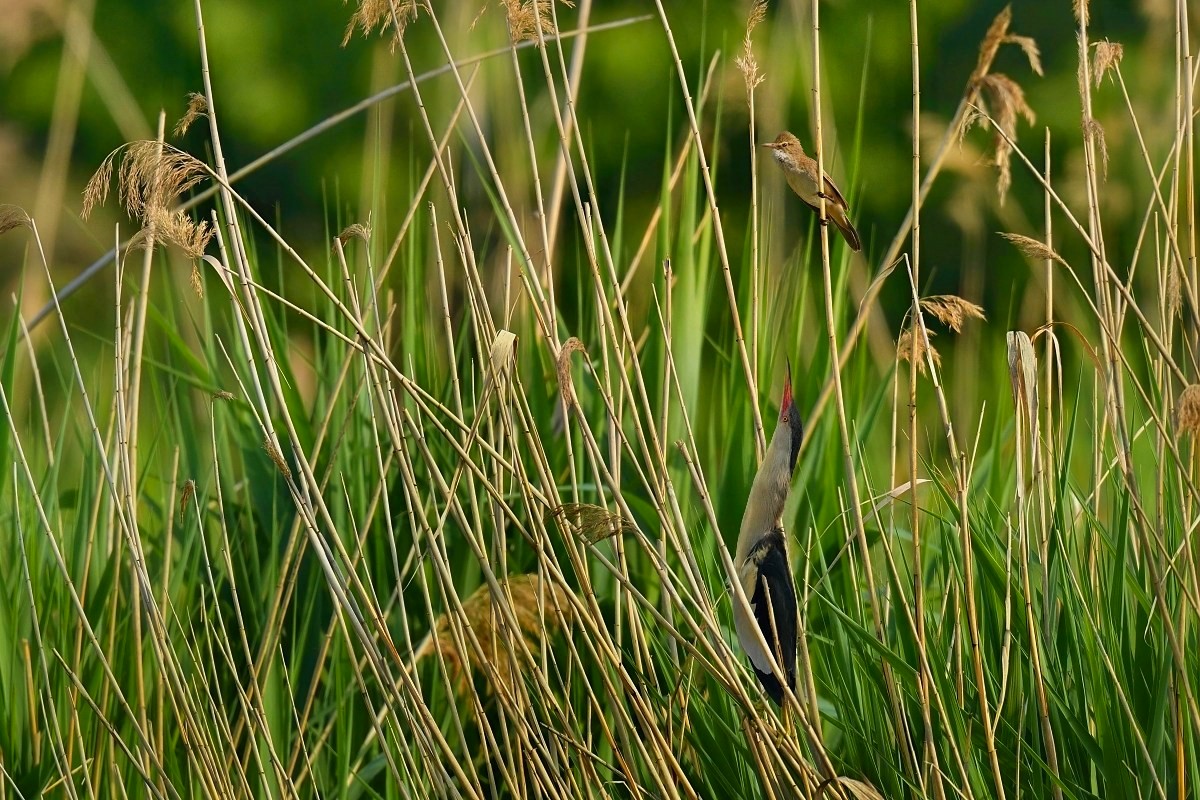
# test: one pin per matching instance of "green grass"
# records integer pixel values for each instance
(363, 521)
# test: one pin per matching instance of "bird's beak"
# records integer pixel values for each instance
(786, 402)
(771, 145)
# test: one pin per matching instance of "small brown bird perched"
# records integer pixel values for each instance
(801, 172)
(761, 557)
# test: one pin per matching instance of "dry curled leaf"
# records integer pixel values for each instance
(1022, 376)
(1187, 411)
(904, 349)
(540, 608)
(591, 522)
(951, 310)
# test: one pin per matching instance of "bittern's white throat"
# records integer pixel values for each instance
(761, 558)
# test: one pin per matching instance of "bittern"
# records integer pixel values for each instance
(761, 558)
(801, 172)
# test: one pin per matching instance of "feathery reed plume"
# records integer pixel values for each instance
(189, 491)
(12, 217)
(1005, 100)
(372, 14)
(152, 174)
(1187, 411)
(951, 310)
(174, 227)
(746, 62)
(356, 231)
(197, 108)
(1033, 249)
(526, 17)
(996, 34)
(1029, 47)
(1107, 56)
(151, 178)
(1080, 8)
(528, 594)
(195, 280)
(591, 522)
(905, 349)
(1092, 126)
(276, 456)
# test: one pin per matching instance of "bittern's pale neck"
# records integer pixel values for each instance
(769, 491)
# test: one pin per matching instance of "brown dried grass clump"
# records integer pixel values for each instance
(592, 523)
(197, 108)
(1187, 411)
(539, 606)
(372, 14)
(951, 310)
(905, 346)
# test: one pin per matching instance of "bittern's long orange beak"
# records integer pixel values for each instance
(786, 403)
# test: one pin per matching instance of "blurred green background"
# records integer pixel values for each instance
(279, 67)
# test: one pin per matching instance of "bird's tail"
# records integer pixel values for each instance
(842, 220)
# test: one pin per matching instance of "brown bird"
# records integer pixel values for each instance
(761, 558)
(801, 172)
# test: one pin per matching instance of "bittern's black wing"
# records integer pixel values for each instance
(774, 605)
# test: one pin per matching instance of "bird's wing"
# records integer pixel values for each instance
(767, 580)
(831, 190)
